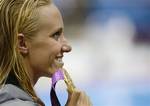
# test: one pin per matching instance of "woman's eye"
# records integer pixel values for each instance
(56, 35)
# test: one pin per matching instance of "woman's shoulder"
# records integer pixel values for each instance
(11, 95)
(18, 102)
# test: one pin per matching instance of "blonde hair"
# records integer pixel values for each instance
(17, 16)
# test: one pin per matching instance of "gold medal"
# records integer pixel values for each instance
(68, 81)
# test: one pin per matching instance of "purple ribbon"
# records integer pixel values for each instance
(58, 75)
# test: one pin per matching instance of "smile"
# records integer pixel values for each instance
(59, 62)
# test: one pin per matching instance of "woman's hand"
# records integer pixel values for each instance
(78, 98)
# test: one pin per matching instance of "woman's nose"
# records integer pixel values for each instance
(66, 48)
(65, 45)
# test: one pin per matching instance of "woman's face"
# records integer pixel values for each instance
(48, 45)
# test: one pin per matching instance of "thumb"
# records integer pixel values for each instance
(73, 98)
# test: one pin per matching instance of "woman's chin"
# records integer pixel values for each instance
(57, 65)
(50, 72)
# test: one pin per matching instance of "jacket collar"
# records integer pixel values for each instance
(9, 92)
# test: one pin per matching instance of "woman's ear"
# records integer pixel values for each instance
(22, 44)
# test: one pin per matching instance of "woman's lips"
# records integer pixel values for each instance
(59, 63)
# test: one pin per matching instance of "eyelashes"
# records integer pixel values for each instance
(57, 34)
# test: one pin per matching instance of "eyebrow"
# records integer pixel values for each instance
(60, 29)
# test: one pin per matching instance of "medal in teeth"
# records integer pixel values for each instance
(59, 62)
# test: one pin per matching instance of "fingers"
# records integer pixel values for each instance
(83, 100)
(73, 98)
(78, 98)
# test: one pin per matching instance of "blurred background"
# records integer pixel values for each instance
(110, 59)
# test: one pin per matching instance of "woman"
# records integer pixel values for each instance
(32, 44)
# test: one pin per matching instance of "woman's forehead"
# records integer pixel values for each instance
(50, 17)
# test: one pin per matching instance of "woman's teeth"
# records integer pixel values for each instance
(59, 62)
(59, 59)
